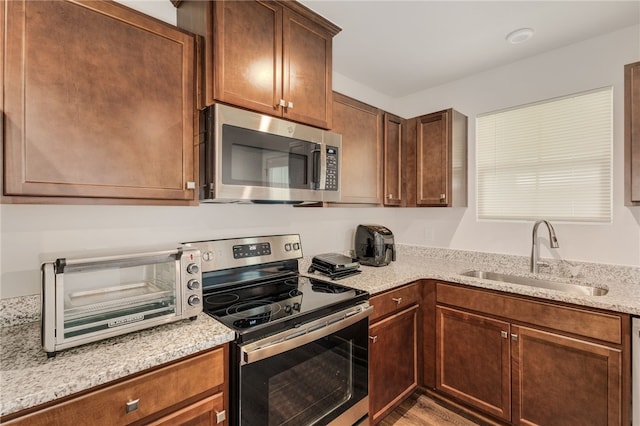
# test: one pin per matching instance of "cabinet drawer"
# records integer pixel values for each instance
(155, 391)
(394, 300)
(595, 325)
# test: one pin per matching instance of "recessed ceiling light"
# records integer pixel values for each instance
(520, 35)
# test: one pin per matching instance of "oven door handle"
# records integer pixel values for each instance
(302, 335)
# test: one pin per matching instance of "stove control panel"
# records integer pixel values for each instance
(251, 250)
(229, 253)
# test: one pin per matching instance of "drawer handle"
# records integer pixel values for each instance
(132, 406)
(398, 300)
(221, 416)
(373, 339)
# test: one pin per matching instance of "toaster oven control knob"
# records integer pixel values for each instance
(207, 256)
(193, 284)
(193, 300)
(193, 268)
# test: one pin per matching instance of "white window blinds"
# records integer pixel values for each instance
(548, 160)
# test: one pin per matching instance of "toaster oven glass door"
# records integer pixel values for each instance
(106, 296)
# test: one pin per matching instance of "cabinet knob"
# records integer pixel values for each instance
(373, 339)
(132, 406)
(443, 196)
(191, 185)
(290, 105)
(398, 300)
(282, 103)
(504, 334)
(221, 416)
(514, 337)
(390, 196)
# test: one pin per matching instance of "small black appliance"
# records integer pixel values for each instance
(374, 245)
(334, 265)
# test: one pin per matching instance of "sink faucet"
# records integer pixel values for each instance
(535, 249)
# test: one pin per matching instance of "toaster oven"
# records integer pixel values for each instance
(85, 299)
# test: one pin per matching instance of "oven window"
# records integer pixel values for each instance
(113, 295)
(262, 159)
(311, 384)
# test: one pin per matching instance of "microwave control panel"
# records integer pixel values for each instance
(331, 183)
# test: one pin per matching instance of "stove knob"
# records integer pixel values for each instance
(296, 306)
(207, 256)
(193, 300)
(193, 268)
(287, 309)
(193, 284)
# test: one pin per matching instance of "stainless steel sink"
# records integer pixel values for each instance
(535, 282)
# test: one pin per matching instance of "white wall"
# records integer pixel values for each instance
(590, 64)
(30, 231)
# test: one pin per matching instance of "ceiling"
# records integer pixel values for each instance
(401, 47)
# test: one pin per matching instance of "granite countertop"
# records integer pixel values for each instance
(29, 378)
(416, 263)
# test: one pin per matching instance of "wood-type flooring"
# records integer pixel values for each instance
(420, 409)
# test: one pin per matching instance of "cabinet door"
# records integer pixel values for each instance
(307, 71)
(99, 102)
(207, 412)
(393, 355)
(248, 54)
(393, 168)
(360, 127)
(561, 380)
(632, 133)
(473, 360)
(433, 159)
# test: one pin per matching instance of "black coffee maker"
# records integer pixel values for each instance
(374, 245)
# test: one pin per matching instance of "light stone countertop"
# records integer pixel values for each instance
(28, 378)
(416, 263)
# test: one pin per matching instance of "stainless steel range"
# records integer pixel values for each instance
(301, 353)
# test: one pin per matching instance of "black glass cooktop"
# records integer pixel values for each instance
(269, 307)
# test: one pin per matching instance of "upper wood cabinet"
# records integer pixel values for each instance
(438, 145)
(393, 160)
(632, 133)
(272, 57)
(361, 128)
(98, 105)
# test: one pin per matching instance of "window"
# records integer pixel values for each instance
(550, 160)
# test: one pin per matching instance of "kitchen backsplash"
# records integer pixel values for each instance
(25, 309)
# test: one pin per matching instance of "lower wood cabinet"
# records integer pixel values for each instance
(529, 362)
(473, 362)
(558, 377)
(188, 392)
(393, 349)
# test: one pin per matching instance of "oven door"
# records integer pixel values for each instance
(310, 376)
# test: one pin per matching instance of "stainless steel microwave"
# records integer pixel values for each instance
(90, 298)
(250, 157)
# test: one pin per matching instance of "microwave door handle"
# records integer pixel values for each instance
(319, 168)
